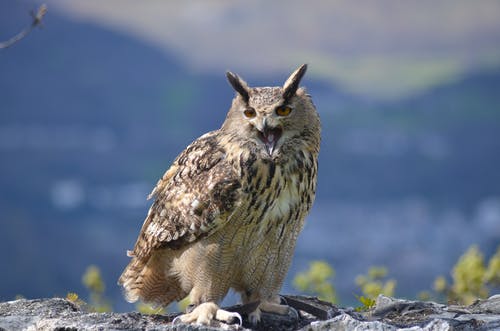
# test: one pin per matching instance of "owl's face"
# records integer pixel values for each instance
(272, 117)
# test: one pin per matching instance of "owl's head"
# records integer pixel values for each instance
(273, 118)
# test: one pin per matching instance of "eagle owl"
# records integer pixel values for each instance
(228, 211)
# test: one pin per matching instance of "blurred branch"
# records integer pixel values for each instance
(37, 20)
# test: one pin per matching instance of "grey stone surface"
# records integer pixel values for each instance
(63, 315)
(346, 322)
(389, 314)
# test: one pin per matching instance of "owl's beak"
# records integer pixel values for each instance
(270, 136)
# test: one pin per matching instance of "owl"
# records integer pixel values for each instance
(227, 213)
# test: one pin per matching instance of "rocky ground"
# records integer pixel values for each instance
(313, 314)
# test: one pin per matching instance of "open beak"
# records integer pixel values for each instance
(270, 136)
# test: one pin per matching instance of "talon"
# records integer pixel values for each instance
(228, 317)
(238, 317)
(177, 320)
(271, 306)
(293, 313)
(254, 317)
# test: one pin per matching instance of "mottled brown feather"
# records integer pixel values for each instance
(185, 208)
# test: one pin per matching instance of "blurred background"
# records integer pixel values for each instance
(96, 105)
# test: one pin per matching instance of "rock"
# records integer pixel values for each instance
(346, 322)
(388, 314)
(427, 315)
(63, 315)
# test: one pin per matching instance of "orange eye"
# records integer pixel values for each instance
(283, 110)
(249, 112)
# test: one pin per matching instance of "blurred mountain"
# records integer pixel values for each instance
(441, 145)
(381, 48)
(90, 118)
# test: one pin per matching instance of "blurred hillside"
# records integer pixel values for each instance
(92, 114)
(382, 48)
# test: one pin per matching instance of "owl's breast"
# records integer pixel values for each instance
(284, 197)
(277, 194)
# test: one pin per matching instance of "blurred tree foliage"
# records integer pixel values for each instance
(471, 278)
(317, 281)
(144, 308)
(93, 281)
(375, 283)
(372, 285)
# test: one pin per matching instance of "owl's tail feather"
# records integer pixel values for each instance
(147, 280)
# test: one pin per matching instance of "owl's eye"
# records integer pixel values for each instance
(283, 110)
(249, 113)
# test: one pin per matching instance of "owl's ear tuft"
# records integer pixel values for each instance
(239, 85)
(292, 83)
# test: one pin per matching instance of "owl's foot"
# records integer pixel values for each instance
(274, 308)
(205, 313)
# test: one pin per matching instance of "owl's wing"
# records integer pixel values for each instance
(192, 199)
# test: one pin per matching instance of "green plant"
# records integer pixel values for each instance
(374, 283)
(317, 281)
(73, 297)
(492, 274)
(93, 281)
(471, 278)
(366, 303)
(144, 308)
